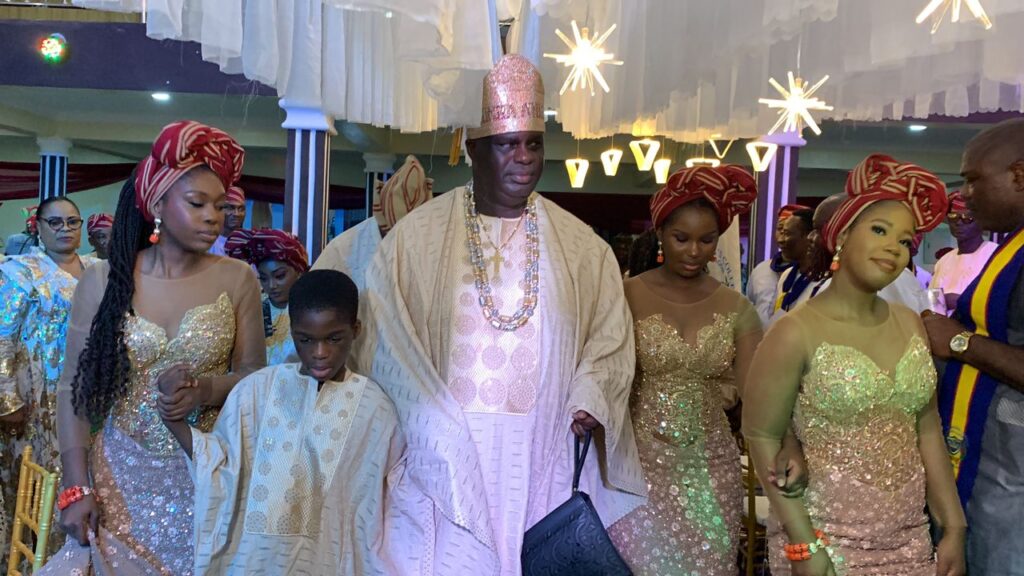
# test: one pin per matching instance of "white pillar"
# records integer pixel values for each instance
(53, 166)
(776, 187)
(307, 181)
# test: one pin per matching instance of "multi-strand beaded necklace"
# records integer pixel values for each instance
(479, 263)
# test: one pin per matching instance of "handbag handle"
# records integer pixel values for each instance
(580, 459)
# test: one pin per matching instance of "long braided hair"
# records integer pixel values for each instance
(104, 367)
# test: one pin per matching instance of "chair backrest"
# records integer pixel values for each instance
(37, 490)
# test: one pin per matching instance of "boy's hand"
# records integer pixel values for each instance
(180, 393)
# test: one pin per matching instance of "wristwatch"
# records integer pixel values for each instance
(959, 343)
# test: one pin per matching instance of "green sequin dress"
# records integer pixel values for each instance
(685, 355)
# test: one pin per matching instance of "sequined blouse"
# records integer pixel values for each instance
(211, 321)
(34, 308)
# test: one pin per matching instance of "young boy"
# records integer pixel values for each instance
(296, 474)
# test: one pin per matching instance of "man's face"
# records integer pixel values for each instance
(234, 217)
(508, 166)
(993, 187)
(963, 226)
(100, 241)
(793, 239)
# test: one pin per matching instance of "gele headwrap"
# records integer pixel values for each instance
(256, 246)
(234, 195)
(879, 178)
(180, 147)
(729, 188)
(788, 210)
(99, 221)
(957, 204)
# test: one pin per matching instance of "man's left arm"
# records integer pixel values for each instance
(601, 384)
(1004, 362)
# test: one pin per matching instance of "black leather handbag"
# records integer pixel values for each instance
(571, 540)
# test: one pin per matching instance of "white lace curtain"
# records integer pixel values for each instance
(693, 67)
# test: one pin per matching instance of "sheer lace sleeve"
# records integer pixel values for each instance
(771, 392)
(747, 333)
(73, 429)
(250, 352)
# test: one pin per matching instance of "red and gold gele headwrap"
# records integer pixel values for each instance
(404, 191)
(256, 246)
(180, 147)
(729, 188)
(99, 221)
(879, 178)
(957, 204)
(234, 195)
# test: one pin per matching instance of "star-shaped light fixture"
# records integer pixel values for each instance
(796, 106)
(954, 6)
(585, 57)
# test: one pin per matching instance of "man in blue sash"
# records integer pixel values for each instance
(981, 398)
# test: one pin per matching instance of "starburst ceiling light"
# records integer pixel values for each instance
(661, 168)
(796, 106)
(645, 151)
(577, 168)
(954, 6)
(584, 58)
(610, 159)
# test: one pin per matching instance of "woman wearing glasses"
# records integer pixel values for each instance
(35, 299)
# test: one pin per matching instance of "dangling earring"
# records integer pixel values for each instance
(661, 255)
(154, 238)
(834, 267)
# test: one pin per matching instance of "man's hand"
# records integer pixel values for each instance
(583, 422)
(940, 331)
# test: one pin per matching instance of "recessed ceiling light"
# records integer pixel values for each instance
(161, 96)
(389, 14)
(917, 127)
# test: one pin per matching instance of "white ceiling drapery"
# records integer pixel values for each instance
(693, 67)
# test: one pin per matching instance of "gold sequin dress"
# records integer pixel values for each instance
(856, 415)
(686, 354)
(211, 321)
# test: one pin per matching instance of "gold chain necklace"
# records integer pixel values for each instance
(483, 284)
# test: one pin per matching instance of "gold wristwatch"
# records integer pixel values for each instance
(959, 343)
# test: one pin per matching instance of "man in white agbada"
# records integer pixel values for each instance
(502, 329)
(352, 251)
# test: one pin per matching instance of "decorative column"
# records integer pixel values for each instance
(53, 167)
(776, 187)
(379, 166)
(307, 181)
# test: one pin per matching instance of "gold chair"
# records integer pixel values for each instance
(37, 490)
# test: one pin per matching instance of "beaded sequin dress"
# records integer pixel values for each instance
(139, 473)
(856, 416)
(685, 358)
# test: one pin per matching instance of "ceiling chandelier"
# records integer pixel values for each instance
(954, 7)
(796, 105)
(584, 58)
